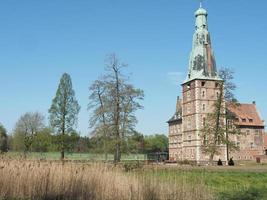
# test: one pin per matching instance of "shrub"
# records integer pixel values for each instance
(249, 194)
(231, 162)
(130, 166)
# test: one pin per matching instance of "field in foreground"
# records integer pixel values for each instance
(47, 180)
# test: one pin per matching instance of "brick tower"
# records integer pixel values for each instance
(199, 93)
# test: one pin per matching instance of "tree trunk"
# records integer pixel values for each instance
(117, 119)
(227, 142)
(62, 154)
(117, 155)
(211, 159)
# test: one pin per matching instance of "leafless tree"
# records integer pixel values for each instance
(215, 132)
(114, 102)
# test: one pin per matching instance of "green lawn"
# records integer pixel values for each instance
(246, 182)
(74, 156)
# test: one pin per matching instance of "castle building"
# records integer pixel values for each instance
(251, 140)
(200, 91)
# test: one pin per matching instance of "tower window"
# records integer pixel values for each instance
(188, 124)
(189, 138)
(188, 86)
(216, 85)
(189, 109)
(203, 94)
(203, 83)
(203, 107)
(188, 95)
(238, 144)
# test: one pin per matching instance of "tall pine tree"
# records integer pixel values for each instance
(64, 111)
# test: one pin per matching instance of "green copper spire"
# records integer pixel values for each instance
(202, 63)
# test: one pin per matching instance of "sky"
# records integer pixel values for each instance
(40, 40)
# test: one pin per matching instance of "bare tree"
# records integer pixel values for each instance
(99, 120)
(114, 102)
(28, 126)
(215, 132)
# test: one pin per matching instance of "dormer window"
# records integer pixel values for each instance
(250, 120)
(244, 120)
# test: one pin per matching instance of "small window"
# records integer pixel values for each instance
(216, 85)
(205, 141)
(217, 93)
(250, 120)
(188, 124)
(189, 138)
(251, 145)
(188, 109)
(188, 95)
(188, 86)
(203, 94)
(248, 132)
(204, 107)
(204, 121)
(238, 144)
(244, 120)
(203, 83)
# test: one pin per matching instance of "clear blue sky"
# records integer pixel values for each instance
(40, 40)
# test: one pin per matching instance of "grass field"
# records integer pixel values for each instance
(74, 156)
(246, 181)
(227, 181)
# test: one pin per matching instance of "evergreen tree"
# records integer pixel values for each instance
(64, 111)
(3, 139)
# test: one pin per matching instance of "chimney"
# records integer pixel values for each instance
(254, 102)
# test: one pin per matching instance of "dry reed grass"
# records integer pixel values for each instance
(48, 180)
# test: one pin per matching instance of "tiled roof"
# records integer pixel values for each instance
(246, 115)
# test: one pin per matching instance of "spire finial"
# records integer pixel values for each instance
(200, 3)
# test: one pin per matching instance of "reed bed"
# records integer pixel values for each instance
(49, 180)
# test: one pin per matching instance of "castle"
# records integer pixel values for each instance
(200, 91)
